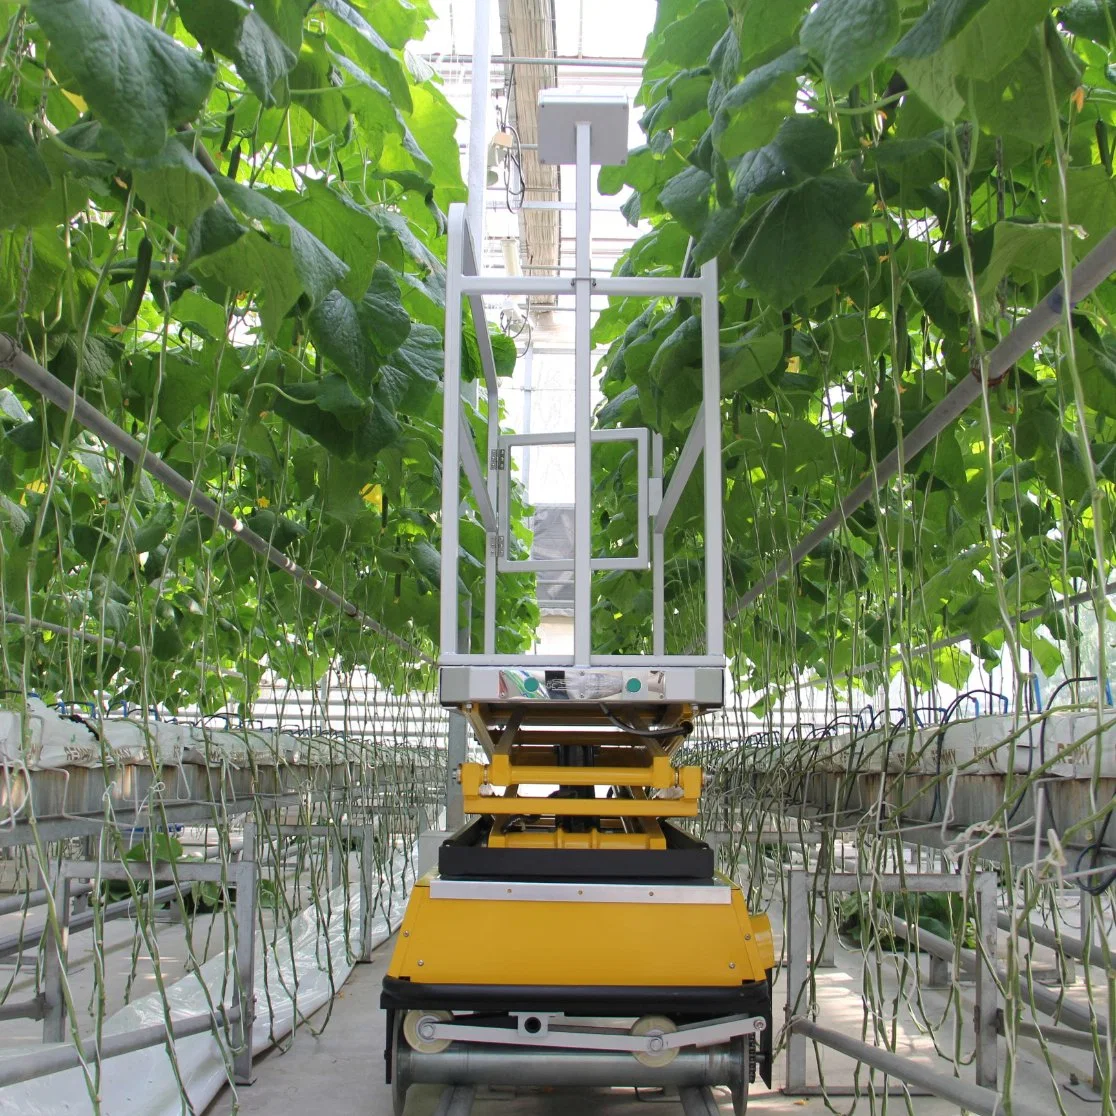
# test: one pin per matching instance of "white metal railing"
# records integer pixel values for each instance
(489, 477)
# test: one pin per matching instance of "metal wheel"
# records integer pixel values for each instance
(654, 1025)
(745, 1075)
(400, 1068)
(416, 1024)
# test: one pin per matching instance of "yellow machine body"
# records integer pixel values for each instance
(524, 942)
(572, 896)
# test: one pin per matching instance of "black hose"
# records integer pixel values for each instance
(683, 728)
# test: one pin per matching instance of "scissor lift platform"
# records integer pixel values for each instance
(572, 923)
(573, 932)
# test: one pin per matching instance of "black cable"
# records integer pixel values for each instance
(1075, 680)
(1094, 850)
(939, 738)
(683, 728)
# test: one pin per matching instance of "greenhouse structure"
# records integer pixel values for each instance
(557, 557)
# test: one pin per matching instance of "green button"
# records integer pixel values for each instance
(633, 685)
(531, 685)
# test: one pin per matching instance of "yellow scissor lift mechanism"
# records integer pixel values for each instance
(577, 936)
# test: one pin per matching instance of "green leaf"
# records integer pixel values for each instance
(136, 78)
(24, 176)
(718, 232)
(411, 380)
(174, 184)
(1091, 199)
(371, 103)
(345, 228)
(943, 20)
(273, 253)
(1009, 247)
(202, 315)
(750, 113)
(329, 412)
(686, 198)
(312, 86)
(998, 33)
(504, 354)
(1015, 102)
(375, 56)
(688, 41)
(784, 248)
(755, 356)
(357, 336)
(681, 347)
(234, 29)
(848, 38)
(761, 25)
(802, 148)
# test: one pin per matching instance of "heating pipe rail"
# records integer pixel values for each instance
(29, 1064)
(973, 1098)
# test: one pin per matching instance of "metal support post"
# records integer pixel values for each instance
(714, 501)
(457, 745)
(1107, 1041)
(658, 570)
(987, 996)
(457, 742)
(451, 436)
(583, 407)
(478, 123)
(799, 1005)
(938, 972)
(797, 938)
(823, 951)
(54, 963)
(244, 987)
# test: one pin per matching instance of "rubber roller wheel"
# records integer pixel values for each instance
(654, 1025)
(412, 1033)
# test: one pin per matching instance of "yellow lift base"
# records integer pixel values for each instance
(571, 934)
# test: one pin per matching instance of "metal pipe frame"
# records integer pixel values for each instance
(242, 1015)
(973, 1098)
(563, 60)
(583, 402)
(1071, 947)
(121, 908)
(464, 281)
(39, 1063)
(636, 434)
(1045, 999)
(14, 903)
(75, 825)
(799, 932)
(1060, 1036)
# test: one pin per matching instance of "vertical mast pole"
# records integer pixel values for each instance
(583, 406)
(478, 125)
